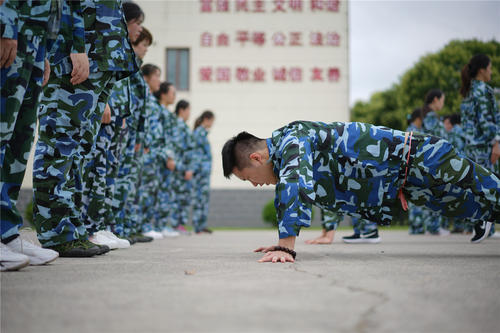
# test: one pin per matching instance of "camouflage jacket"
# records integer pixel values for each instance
(202, 155)
(480, 117)
(28, 17)
(456, 138)
(349, 168)
(413, 128)
(160, 132)
(119, 99)
(140, 113)
(433, 125)
(105, 38)
(184, 146)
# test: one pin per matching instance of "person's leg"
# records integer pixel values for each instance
(164, 202)
(446, 182)
(415, 219)
(329, 221)
(184, 202)
(20, 88)
(432, 221)
(69, 122)
(200, 200)
(149, 193)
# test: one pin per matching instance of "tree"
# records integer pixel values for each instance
(437, 70)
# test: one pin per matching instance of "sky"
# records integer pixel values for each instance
(388, 37)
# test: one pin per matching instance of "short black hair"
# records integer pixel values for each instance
(132, 11)
(144, 35)
(455, 119)
(181, 105)
(149, 69)
(417, 113)
(164, 88)
(236, 151)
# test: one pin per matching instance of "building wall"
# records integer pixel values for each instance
(257, 107)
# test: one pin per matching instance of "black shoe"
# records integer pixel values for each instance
(481, 231)
(76, 249)
(205, 231)
(140, 238)
(131, 240)
(103, 249)
(371, 237)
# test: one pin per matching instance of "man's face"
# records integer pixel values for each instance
(447, 125)
(153, 81)
(171, 95)
(260, 172)
(134, 29)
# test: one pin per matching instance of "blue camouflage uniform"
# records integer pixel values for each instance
(358, 169)
(432, 221)
(481, 125)
(70, 115)
(31, 23)
(179, 190)
(202, 158)
(331, 220)
(415, 213)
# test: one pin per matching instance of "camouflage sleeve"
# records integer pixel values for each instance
(487, 115)
(78, 28)
(295, 188)
(9, 18)
(433, 125)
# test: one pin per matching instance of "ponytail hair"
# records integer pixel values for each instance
(429, 97)
(205, 115)
(469, 71)
(181, 105)
(164, 88)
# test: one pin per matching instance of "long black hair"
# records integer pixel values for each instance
(181, 105)
(429, 97)
(132, 11)
(164, 88)
(477, 62)
(205, 115)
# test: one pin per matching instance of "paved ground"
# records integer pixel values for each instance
(214, 284)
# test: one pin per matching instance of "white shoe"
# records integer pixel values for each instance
(169, 232)
(496, 235)
(154, 234)
(444, 232)
(100, 239)
(36, 254)
(12, 261)
(122, 243)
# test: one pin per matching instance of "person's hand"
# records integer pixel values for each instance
(106, 116)
(275, 256)
(146, 150)
(46, 73)
(188, 175)
(264, 249)
(8, 52)
(170, 164)
(495, 153)
(81, 68)
(325, 238)
(137, 147)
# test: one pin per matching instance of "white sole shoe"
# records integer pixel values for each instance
(120, 243)
(36, 254)
(12, 261)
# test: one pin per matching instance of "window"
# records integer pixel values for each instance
(178, 68)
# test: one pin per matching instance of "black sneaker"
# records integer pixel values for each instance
(103, 249)
(130, 239)
(76, 249)
(204, 231)
(140, 238)
(481, 231)
(371, 237)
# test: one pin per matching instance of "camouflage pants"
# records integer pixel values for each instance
(69, 121)
(166, 207)
(180, 197)
(331, 220)
(20, 88)
(415, 219)
(441, 179)
(149, 192)
(201, 200)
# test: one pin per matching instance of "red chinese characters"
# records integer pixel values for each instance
(279, 39)
(295, 38)
(259, 75)
(242, 74)
(279, 74)
(242, 5)
(223, 74)
(332, 39)
(222, 39)
(258, 38)
(206, 39)
(206, 6)
(317, 74)
(333, 74)
(279, 6)
(295, 5)
(259, 6)
(316, 38)
(295, 74)
(205, 74)
(222, 5)
(332, 5)
(242, 36)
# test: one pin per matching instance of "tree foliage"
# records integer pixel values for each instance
(437, 70)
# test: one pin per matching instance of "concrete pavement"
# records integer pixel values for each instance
(214, 284)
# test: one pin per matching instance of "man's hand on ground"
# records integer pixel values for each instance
(277, 256)
(264, 249)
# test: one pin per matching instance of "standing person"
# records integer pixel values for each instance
(25, 28)
(182, 176)
(72, 107)
(360, 170)
(480, 115)
(415, 213)
(165, 136)
(103, 161)
(432, 125)
(202, 169)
